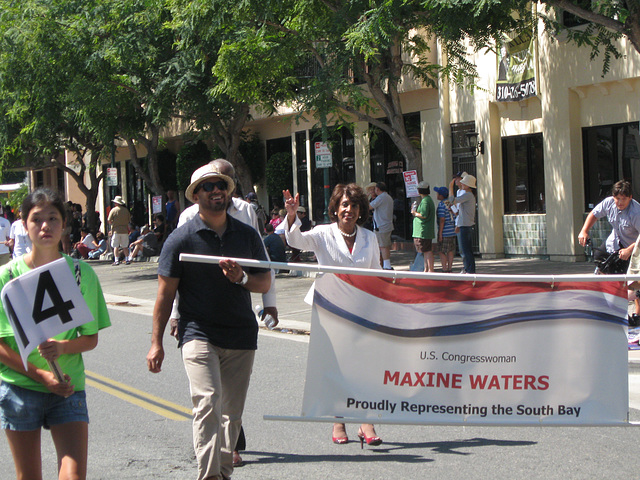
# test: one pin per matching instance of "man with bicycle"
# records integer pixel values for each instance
(623, 213)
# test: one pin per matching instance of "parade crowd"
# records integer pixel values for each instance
(217, 337)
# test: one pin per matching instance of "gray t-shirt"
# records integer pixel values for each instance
(383, 212)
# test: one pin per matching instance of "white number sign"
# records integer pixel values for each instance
(43, 303)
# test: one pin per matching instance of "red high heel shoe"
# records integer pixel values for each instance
(342, 439)
(373, 441)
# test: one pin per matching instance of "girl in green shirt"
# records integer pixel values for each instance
(33, 398)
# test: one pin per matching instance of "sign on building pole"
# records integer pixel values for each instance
(112, 177)
(324, 160)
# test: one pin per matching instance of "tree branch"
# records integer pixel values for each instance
(588, 15)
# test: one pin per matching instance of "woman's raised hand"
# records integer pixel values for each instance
(291, 204)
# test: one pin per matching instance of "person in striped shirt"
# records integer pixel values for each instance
(446, 245)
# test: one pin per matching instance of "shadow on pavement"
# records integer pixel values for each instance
(393, 448)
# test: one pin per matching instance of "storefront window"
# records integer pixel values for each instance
(611, 153)
(341, 145)
(523, 167)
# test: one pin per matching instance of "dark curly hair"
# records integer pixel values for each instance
(355, 194)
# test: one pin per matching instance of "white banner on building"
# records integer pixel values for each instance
(444, 352)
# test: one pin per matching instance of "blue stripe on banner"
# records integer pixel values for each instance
(472, 327)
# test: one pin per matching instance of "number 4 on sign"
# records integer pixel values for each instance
(43, 303)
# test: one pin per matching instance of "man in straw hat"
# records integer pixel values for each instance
(243, 211)
(119, 218)
(219, 336)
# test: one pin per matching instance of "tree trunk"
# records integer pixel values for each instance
(90, 192)
(382, 78)
(150, 176)
(228, 136)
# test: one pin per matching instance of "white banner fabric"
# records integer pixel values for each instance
(445, 352)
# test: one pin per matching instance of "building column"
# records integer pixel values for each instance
(436, 146)
(489, 177)
(563, 174)
(362, 153)
(294, 161)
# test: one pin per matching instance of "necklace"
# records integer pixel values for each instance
(348, 235)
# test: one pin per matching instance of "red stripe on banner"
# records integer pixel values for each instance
(410, 291)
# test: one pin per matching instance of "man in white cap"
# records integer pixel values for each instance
(119, 218)
(218, 336)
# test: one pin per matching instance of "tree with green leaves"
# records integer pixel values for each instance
(356, 53)
(47, 105)
(206, 34)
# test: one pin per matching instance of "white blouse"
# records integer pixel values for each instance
(330, 247)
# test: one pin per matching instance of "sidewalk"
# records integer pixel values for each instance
(133, 287)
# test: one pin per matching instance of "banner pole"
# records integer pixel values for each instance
(395, 274)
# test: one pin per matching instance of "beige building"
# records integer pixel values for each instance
(546, 159)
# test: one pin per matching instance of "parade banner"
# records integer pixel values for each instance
(516, 67)
(422, 351)
(43, 303)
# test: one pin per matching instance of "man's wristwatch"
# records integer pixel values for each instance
(245, 278)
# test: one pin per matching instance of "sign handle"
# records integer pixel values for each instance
(55, 369)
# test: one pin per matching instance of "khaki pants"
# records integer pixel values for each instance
(219, 380)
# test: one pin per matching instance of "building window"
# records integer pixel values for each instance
(39, 179)
(523, 167)
(60, 182)
(611, 153)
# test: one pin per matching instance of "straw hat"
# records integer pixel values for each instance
(469, 181)
(118, 200)
(204, 173)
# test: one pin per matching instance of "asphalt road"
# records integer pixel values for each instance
(140, 424)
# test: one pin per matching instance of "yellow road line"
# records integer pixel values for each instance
(137, 397)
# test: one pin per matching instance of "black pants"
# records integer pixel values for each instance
(241, 444)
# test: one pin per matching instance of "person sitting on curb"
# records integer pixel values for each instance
(274, 244)
(147, 245)
(100, 244)
(87, 243)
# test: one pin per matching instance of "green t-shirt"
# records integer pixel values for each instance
(71, 364)
(425, 227)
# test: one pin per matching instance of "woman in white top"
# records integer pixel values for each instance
(20, 241)
(342, 243)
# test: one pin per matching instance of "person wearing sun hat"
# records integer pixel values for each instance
(218, 336)
(206, 172)
(465, 221)
(119, 218)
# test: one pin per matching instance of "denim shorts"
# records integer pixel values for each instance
(22, 409)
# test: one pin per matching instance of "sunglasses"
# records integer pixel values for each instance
(209, 186)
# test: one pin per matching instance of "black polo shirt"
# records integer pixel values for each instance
(211, 307)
